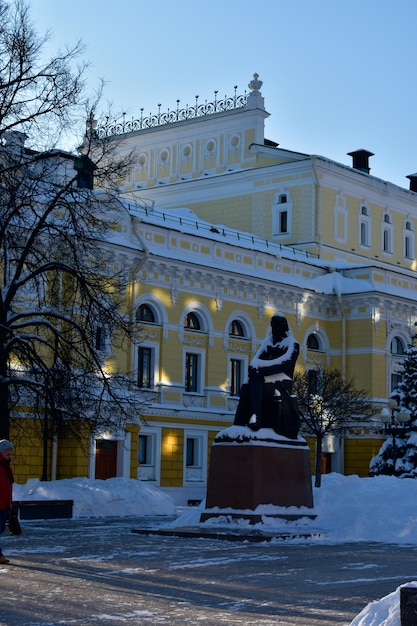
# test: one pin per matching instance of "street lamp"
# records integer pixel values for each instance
(395, 423)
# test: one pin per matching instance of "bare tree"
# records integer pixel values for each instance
(328, 405)
(64, 280)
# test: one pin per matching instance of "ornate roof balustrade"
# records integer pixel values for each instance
(123, 126)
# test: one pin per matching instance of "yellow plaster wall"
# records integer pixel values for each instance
(172, 449)
(27, 459)
(358, 454)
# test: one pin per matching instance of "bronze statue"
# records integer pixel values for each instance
(266, 400)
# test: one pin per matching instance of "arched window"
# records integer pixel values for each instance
(236, 329)
(313, 342)
(397, 346)
(192, 322)
(144, 313)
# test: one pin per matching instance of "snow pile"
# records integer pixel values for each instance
(115, 497)
(384, 612)
(349, 509)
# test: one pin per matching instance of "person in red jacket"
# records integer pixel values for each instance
(6, 487)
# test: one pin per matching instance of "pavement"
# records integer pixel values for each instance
(98, 571)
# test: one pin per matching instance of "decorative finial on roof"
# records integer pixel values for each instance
(255, 84)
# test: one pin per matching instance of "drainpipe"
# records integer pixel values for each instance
(54, 457)
(343, 337)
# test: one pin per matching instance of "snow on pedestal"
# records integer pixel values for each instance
(257, 474)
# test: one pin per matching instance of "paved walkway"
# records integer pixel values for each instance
(100, 572)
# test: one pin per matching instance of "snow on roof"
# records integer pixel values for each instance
(331, 277)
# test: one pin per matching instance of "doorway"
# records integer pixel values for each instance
(106, 459)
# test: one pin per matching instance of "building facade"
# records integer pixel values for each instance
(229, 229)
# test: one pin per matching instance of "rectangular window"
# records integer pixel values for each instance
(395, 381)
(100, 339)
(236, 374)
(145, 367)
(195, 457)
(144, 449)
(192, 372)
(386, 240)
(364, 234)
(312, 381)
(192, 452)
(408, 247)
(283, 221)
(149, 454)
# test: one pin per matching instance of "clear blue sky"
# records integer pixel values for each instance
(337, 75)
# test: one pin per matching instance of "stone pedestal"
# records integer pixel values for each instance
(256, 474)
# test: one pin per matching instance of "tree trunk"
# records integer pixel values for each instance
(319, 451)
(4, 412)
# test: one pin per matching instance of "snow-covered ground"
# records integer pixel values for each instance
(349, 509)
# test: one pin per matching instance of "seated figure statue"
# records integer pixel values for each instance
(266, 400)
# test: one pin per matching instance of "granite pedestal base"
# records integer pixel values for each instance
(253, 475)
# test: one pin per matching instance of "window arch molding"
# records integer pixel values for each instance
(157, 308)
(247, 324)
(323, 344)
(204, 316)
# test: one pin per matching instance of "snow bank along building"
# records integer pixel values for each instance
(230, 228)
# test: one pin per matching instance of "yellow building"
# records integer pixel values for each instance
(230, 228)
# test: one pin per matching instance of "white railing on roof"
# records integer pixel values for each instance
(145, 209)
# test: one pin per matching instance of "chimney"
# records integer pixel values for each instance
(413, 182)
(360, 160)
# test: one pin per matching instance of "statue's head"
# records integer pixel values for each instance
(279, 327)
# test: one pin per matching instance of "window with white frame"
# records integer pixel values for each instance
(364, 226)
(408, 240)
(237, 373)
(195, 456)
(146, 367)
(397, 350)
(145, 313)
(281, 214)
(149, 454)
(387, 234)
(313, 342)
(193, 372)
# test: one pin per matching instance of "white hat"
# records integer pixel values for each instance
(5, 444)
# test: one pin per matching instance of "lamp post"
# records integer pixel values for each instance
(395, 423)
